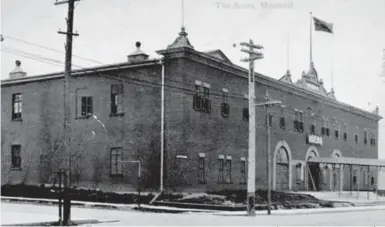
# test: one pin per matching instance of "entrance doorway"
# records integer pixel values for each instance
(314, 177)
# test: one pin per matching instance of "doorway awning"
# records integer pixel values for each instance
(348, 161)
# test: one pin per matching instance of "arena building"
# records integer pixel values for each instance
(119, 112)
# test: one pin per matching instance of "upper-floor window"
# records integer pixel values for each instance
(298, 121)
(225, 107)
(17, 106)
(365, 136)
(202, 100)
(116, 158)
(336, 131)
(373, 139)
(345, 131)
(245, 110)
(87, 106)
(313, 125)
(117, 96)
(327, 129)
(16, 156)
(356, 135)
(282, 122)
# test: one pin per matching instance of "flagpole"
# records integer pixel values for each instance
(288, 51)
(311, 40)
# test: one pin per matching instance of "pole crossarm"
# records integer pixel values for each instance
(67, 33)
(63, 2)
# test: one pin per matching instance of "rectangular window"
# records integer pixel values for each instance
(87, 109)
(221, 174)
(282, 119)
(116, 160)
(17, 106)
(245, 110)
(117, 94)
(301, 122)
(202, 100)
(365, 136)
(323, 128)
(345, 132)
(228, 170)
(16, 156)
(337, 131)
(312, 129)
(327, 130)
(225, 107)
(296, 122)
(202, 170)
(356, 135)
(243, 179)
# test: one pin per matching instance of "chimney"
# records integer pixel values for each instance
(17, 72)
(138, 55)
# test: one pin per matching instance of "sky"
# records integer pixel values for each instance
(108, 30)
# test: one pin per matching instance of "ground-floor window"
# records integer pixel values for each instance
(116, 160)
(201, 175)
(228, 170)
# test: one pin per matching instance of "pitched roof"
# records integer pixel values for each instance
(219, 55)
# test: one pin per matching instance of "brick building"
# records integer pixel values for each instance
(116, 114)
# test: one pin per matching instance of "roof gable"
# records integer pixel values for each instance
(218, 54)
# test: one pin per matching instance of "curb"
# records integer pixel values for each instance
(55, 223)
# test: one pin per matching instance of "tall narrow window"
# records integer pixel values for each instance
(17, 106)
(117, 94)
(301, 122)
(356, 135)
(282, 123)
(228, 169)
(312, 126)
(197, 104)
(245, 110)
(327, 128)
(87, 108)
(336, 131)
(270, 120)
(225, 107)
(16, 156)
(202, 170)
(243, 179)
(365, 136)
(323, 128)
(221, 174)
(345, 131)
(296, 121)
(116, 160)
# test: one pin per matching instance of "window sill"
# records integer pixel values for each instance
(17, 119)
(117, 175)
(15, 168)
(83, 117)
(116, 114)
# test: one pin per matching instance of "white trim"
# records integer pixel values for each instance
(198, 82)
(182, 156)
(202, 155)
(280, 144)
(221, 156)
(243, 159)
(228, 157)
(206, 85)
(225, 90)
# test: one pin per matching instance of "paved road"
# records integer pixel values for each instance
(12, 213)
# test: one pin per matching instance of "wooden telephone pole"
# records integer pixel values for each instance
(66, 124)
(253, 55)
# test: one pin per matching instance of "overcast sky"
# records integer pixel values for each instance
(109, 29)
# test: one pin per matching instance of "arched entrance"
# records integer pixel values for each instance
(282, 170)
(282, 173)
(313, 170)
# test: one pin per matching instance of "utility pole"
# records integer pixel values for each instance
(66, 124)
(269, 102)
(253, 55)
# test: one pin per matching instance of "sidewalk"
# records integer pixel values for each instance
(165, 209)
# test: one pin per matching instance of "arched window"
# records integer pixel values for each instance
(282, 156)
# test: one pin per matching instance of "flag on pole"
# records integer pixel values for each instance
(321, 25)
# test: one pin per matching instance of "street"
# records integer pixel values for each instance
(12, 213)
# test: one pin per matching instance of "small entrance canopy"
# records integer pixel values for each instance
(348, 161)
